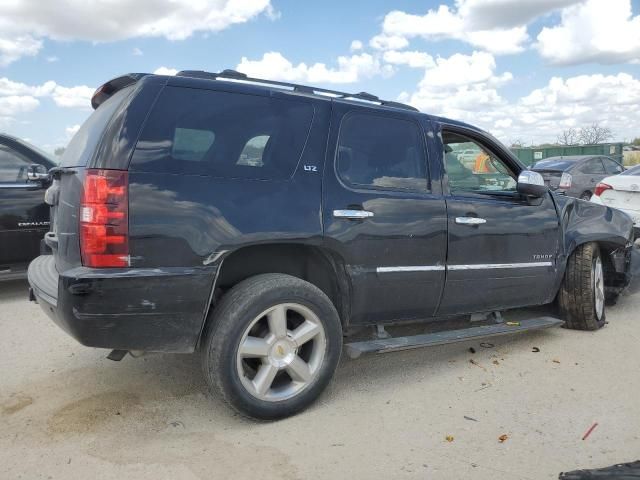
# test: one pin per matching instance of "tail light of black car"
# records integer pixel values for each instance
(104, 219)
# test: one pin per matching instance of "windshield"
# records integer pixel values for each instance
(551, 164)
(634, 171)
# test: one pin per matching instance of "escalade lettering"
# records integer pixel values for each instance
(33, 224)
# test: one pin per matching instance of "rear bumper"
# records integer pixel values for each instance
(633, 214)
(159, 309)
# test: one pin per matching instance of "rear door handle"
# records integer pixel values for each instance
(470, 221)
(352, 214)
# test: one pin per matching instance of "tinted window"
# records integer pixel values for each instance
(13, 166)
(191, 144)
(204, 132)
(612, 167)
(593, 166)
(85, 141)
(559, 165)
(473, 168)
(382, 152)
(253, 151)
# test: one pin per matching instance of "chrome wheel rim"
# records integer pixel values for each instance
(281, 352)
(598, 287)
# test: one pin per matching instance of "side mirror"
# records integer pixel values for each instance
(37, 173)
(531, 183)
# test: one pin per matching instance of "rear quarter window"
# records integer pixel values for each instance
(83, 144)
(223, 134)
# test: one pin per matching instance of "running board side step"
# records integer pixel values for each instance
(394, 344)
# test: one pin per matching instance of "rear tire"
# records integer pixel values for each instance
(586, 196)
(272, 346)
(581, 297)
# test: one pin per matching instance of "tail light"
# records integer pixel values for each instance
(601, 188)
(565, 180)
(104, 219)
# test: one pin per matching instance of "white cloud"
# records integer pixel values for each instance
(460, 86)
(18, 98)
(9, 87)
(356, 45)
(388, 42)
(579, 101)
(24, 23)
(274, 66)
(496, 26)
(52, 59)
(16, 104)
(136, 52)
(165, 71)
(601, 31)
(13, 47)
(490, 14)
(499, 42)
(412, 59)
(536, 117)
(79, 96)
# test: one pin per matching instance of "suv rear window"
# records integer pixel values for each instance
(84, 142)
(222, 134)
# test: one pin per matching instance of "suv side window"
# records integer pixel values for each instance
(222, 134)
(612, 167)
(253, 151)
(474, 169)
(593, 166)
(13, 166)
(376, 151)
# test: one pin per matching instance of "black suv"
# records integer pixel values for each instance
(24, 217)
(258, 222)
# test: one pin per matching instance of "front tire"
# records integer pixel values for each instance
(272, 346)
(581, 297)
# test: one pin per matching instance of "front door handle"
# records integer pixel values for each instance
(470, 221)
(352, 214)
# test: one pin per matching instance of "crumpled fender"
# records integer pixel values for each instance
(582, 222)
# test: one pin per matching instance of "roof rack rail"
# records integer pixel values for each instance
(235, 75)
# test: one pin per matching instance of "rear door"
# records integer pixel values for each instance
(502, 248)
(587, 176)
(382, 215)
(24, 217)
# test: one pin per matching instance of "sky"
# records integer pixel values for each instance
(524, 70)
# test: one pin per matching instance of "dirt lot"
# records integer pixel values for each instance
(68, 413)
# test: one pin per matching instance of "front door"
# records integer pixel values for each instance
(502, 246)
(24, 217)
(382, 215)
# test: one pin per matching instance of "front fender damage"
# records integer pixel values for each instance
(582, 222)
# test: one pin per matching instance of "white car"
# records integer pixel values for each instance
(621, 192)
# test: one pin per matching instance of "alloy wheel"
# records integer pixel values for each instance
(281, 352)
(598, 287)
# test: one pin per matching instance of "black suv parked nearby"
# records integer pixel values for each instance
(257, 222)
(24, 217)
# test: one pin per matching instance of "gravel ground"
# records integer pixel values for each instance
(66, 412)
